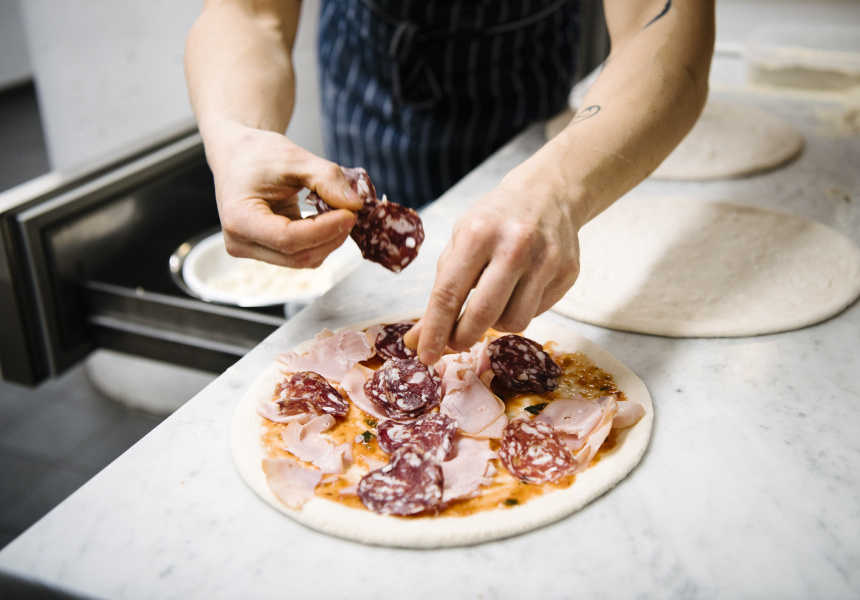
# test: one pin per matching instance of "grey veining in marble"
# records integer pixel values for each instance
(749, 488)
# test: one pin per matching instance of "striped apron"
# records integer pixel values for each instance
(420, 92)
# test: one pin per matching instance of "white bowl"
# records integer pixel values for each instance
(213, 275)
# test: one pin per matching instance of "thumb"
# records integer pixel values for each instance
(333, 187)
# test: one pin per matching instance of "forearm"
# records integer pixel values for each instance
(239, 69)
(648, 96)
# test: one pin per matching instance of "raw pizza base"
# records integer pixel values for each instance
(435, 532)
(685, 267)
(728, 140)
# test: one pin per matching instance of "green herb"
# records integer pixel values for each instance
(367, 437)
(511, 502)
(536, 408)
(370, 423)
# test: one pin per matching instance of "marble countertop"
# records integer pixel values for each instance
(749, 488)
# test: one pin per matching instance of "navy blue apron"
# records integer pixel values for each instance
(420, 92)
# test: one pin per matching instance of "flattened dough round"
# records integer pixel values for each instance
(730, 140)
(684, 267)
(436, 532)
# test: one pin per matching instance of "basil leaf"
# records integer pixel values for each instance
(536, 408)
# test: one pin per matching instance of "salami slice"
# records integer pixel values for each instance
(393, 236)
(309, 392)
(410, 483)
(522, 365)
(404, 389)
(389, 343)
(432, 433)
(385, 232)
(533, 452)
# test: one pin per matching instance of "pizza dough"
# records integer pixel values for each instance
(730, 140)
(433, 532)
(683, 267)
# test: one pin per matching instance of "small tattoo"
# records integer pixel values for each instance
(586, 113)
(661, 15)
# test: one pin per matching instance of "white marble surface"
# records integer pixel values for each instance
(749, 488)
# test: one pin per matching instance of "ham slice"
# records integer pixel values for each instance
(628, 415)
(476, 409)
(452, 366)
(270, 410)
(332, 355)
(581, 424)
(352, 385)
(597, 436)
(306, 442)
(575, 416)
(468, 470)
(292, 484)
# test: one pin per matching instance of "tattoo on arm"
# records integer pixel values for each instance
(586, 113)
(661, 15)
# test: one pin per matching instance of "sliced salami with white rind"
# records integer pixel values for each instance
(385, 232)
(433, 433)
(522, 365)
(404, 389)
(393, 236)
(533, 452)
(389, 343)
(410, 483)
(309, 392)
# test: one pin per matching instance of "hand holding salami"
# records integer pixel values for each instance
(385, 232)
(258, 175)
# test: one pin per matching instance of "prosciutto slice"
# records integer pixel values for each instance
(290, 482)
(308, 444)
(332, 355)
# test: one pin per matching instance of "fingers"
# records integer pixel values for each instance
(302, 243)
(488, 302)
(335, 189)
(498, 271)
(259, 209)
(309, 258)
(323, 177)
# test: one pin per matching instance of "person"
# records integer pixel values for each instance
(418, 93)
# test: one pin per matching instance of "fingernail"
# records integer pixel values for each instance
(428, 357)
(347, 224)
(412, 336)
(351, 196)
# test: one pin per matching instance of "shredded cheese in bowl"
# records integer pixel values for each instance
(215, 276)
